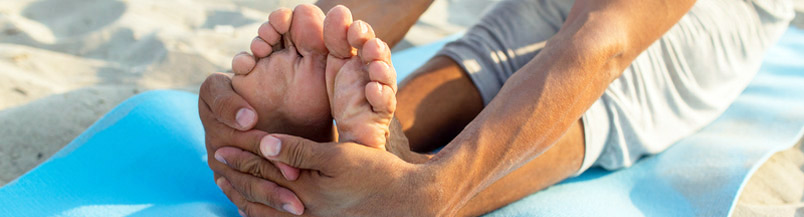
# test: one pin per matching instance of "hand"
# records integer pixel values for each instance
(338, 179)
(228, 120)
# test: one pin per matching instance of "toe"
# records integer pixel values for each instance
(336, 26)
(307, 30)
(268, 34)
(280, 19)
(375, 50)
(260, 48)
(381, 98)
(381, 72)
(243, 63)
(359, 33)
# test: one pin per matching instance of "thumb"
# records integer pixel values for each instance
(295, 151)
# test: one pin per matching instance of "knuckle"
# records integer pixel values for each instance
(216, 98)
(209, 83)
(229, 133)
(255, 141)
(247, 208)
(205, 86)
(218, 104)
(252, 166)
(211, 163)
(296, 153)
(247, 191)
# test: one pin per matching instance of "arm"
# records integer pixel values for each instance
(540, 101)
(390, 19)
(595, 44)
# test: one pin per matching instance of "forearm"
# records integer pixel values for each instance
(529, 114)
(560, 161)
(390, 19)
(542, 99)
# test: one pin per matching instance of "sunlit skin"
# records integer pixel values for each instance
(527, 138)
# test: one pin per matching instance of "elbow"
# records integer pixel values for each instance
(598, 40)
(602, 53)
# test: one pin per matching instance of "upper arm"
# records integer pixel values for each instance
(615, 32)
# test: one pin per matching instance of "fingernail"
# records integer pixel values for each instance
(287, 171)
(219, 182)
(245, 117)
(270, 146)
(220, 158)
(289, 208)
(283, 173)
(241, 213)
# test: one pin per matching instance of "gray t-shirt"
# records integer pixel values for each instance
(682, 82)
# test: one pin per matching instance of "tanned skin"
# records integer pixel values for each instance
(524, 140)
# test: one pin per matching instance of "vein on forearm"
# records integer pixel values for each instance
(541, 100)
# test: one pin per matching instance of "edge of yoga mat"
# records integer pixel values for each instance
(756, 167)
(791, 37)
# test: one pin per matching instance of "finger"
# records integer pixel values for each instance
(226, 106)
(247, 162)
(264, 192)
(290, 173)
(243, 63)
(219, 135)
(246, 208)
(297, 152)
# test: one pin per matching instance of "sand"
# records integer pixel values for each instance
(86, 56)
(64, 63)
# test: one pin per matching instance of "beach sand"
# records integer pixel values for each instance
(64, 63)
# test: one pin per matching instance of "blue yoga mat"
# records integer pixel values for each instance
(147, 158)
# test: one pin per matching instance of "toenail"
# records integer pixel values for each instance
(384, 45)
(270, 146)
(363, 27)
(245, 117)
(379, 87)
(384, 66)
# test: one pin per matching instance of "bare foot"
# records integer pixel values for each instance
(285, 82)
(361, 83)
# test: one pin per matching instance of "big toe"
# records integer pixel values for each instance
(307, 30)
(336, 26)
